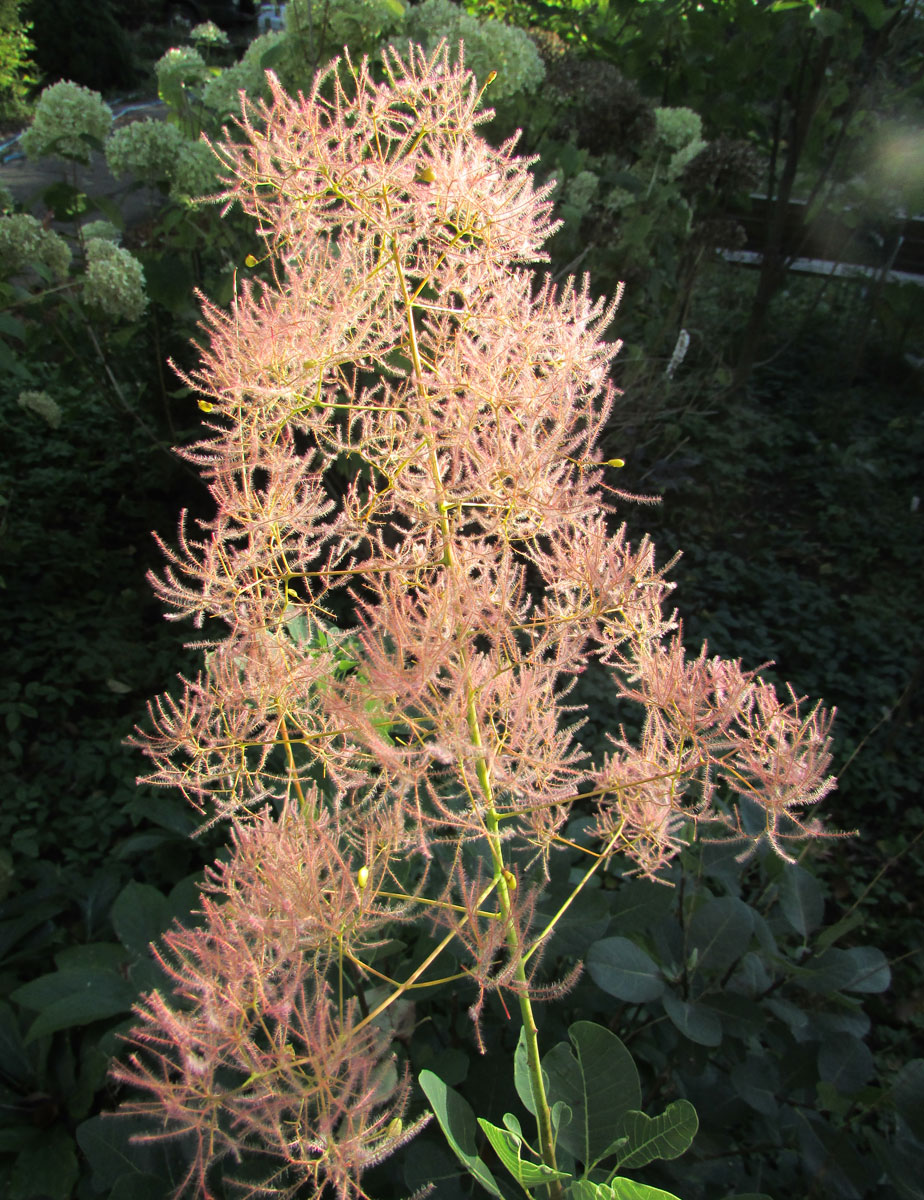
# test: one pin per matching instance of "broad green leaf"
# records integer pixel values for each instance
(624, 970)
(790, 1014)
(46, 1168)
(833, 1150)
(561, 1116)
(757, 1080)
(106, 1142)
(900, 1161)
(801, 899)
(862, 969)
(826, 21)
(12, 327)
(908, 1095)
(103, 955)
(599, 1083)
(875, 12)
(667, 1136)
(137, 1187)
(694, 1021)
(871, 970)
(65, 999)
(457, 1122)
(18, 1137)
(140, 914)
(846, 1062)
(521, 1075)
(17, 1065)
(833, 933)
(720, 931)
(640, 904)
(583, 1189)
(507, 1145)
(629, 1189)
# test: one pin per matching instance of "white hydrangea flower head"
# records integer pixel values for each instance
(42, 405)
(66, 116)
(582, 189)
(208, 34)
(101, 229)
(25, 245)
(681, 131)
(222, 92)
(681, 159)
(180, 68)
(114, 281)
(489, 46)
(619, 198)
(194, 172)
(677, 127)
(146, 149)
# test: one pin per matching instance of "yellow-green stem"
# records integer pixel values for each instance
(530, 1029)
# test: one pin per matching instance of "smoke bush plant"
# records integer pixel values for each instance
(418, 767)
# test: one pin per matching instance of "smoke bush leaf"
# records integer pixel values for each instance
(721, 932)
(699, 1024)
(801, 899)
(624, 970)
(667, 1136)
(597, 1078)
(457, 1122)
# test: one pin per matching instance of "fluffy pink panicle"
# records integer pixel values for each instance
(404, 423)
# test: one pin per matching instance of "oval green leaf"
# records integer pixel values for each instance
(624, 970)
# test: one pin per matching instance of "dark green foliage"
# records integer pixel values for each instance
(16, 67)
(81, 40)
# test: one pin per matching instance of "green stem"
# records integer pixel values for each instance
(530, 1029)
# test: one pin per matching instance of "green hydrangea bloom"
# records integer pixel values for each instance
(179, 68)
(7, 203)
(582, 189)
(147, 150)
(222, 92)
(42, 405)
(194, 173)
(65, 117)
(489, 46)
(681, 131)
(114, 281)
(208, 34)
(24, 245)
(101, 229)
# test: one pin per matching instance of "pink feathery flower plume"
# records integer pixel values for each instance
(404, 344)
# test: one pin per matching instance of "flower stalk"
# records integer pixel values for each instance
(403, 425)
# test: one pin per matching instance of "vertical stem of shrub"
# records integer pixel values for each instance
(530, 1030)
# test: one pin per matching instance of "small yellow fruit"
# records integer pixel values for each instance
(362, 877)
